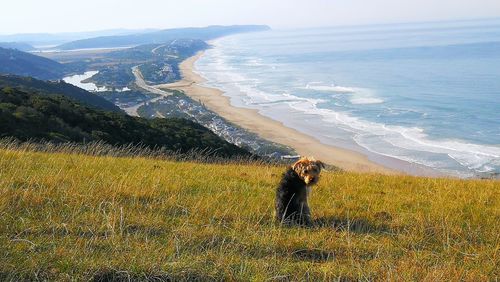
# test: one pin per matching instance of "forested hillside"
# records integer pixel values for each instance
(28, 116)
(13, 61)
(32, 85)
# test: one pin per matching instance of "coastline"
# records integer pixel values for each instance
(268, 128)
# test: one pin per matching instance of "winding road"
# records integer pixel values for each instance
(140, 82)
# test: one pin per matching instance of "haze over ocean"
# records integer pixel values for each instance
(425, 93)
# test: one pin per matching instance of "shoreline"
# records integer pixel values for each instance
(275, 131)
(268, 128)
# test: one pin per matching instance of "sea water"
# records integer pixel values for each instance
(426, 93)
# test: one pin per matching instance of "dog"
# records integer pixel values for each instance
(291, 196)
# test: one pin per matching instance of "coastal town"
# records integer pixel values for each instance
(180, 105)
(157, 64)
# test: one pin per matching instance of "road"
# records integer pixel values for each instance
(139, 81)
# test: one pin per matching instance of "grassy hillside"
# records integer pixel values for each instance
(16, 62)
(84, 217)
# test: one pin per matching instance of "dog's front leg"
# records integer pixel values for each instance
(305, 215)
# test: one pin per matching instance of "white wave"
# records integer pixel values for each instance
(364, 96)
(359, 96)
(363, 100)
(225, 77)
(410, 143)
(255, 96)
(329, 88)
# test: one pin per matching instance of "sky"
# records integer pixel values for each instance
(53, 16)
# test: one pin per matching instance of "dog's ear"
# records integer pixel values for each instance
(299, 163)
(320, 164)
(296, 165)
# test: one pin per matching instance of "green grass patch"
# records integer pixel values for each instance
(69, 216)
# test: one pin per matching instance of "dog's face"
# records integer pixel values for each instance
(308, 170)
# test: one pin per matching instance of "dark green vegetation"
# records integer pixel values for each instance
(161, 72)
(17, 45)
(113, 76)
(32, 85)
(204, 33)
(55, 118)
(25, 64)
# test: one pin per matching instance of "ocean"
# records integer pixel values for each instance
(424, 93)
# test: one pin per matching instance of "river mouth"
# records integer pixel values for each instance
(78, 81)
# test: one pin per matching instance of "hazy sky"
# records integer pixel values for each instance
(21, 16)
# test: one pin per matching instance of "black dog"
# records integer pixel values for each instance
(291, 196)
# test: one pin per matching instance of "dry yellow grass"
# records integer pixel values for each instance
(68, 216)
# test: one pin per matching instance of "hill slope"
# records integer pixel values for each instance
(56, 118)
(15, 62)
(82, 217)
(202, 33)
(44, 39)
(28, 84)
(17, 45)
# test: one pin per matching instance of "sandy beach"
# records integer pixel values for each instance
(268, 128)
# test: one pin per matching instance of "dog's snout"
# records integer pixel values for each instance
(310, 180)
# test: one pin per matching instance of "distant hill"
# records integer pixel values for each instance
(44, 39)
(202, 33)
(25, 64)
(32, 85)
(17, 45)
(29, 116)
